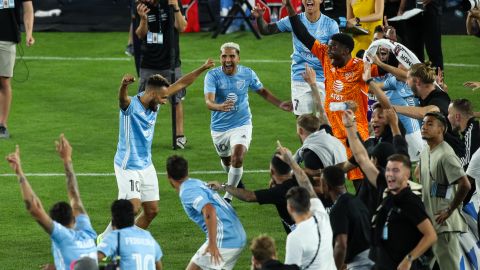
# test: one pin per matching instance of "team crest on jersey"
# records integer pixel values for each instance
(349, 75)
(240, 84)
(338, 86)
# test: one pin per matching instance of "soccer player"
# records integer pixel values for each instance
(322, 28)
(343, 79)
(136, 247)
(67, 224)
(226, 95)
(136, 177)
(225, 234)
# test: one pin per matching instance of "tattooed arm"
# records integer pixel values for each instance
(32, 202)
(65, 151)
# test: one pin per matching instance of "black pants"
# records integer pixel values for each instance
(425, 30)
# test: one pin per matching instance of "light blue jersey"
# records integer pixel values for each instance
(234, 88)
(321, 30)
(195, 194)
(69, 245)
(399, 93)
(138, 249)
(137, 124)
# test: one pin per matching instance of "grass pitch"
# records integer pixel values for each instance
(78, 97)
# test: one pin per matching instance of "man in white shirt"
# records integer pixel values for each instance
(310, 244)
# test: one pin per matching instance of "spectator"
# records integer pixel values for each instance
(9, 37)
(445, 186)
(473, 22)
(67, 224)
(368, 15)
(420, 78)
(154, 29)
(423, 31)
(136, 247)
(217, 219)
(350, 220)
(85, 263)
(462, 120)
(264, 255)
(310, 245)
(281, 180)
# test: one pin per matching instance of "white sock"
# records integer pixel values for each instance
(234, 177)
(225, 168)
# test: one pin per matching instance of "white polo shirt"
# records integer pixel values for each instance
(302, 243)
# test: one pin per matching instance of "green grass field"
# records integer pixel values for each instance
(79, 98)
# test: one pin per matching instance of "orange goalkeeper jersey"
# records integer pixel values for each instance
(343, 84)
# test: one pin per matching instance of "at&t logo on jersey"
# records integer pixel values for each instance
(338, 86)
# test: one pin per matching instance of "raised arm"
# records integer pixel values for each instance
(399, 73)
(123, 98)
(180, 22)
(268, 96)
(298, 28)
(357, 148)
(310, 77)
(28, 17)
(263, 27)
(239, 193)
(32, 202)
(142, 28)
(286, 156)
(373, 87)
(189, 78)
(65, 152)
(210, 217)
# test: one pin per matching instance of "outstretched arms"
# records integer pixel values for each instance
(189, 78)
(65, 152)
(268, 96)
(32, 202)
(298, 28)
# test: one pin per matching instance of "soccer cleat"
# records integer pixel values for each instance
(129, 50)
(4, 132)
(181, 142)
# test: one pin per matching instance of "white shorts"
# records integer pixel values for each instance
(302, 97)
(224, 141)
(137, 184)
(7, 58)
(229, 258)
(415, 145)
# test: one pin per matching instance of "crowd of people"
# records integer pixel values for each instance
(366, 119)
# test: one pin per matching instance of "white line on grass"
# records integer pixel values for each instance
(59, 58)
(112, 174)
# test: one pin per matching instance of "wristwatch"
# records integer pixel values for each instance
(409, 258)
(369, 81)
(176, 10)
(357, 19)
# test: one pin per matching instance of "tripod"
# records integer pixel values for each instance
(232, 14)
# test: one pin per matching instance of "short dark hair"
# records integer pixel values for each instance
(263, 248)
(279, 165)
(299, 199)
(378, 29)
(122, 214)
(440, 117)
(156, 81)
(344, 39)
(62, 213)
(377, 105)
(334, 176)
(463, 105)
(401, 158)
(177, 167)
(309, 122)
